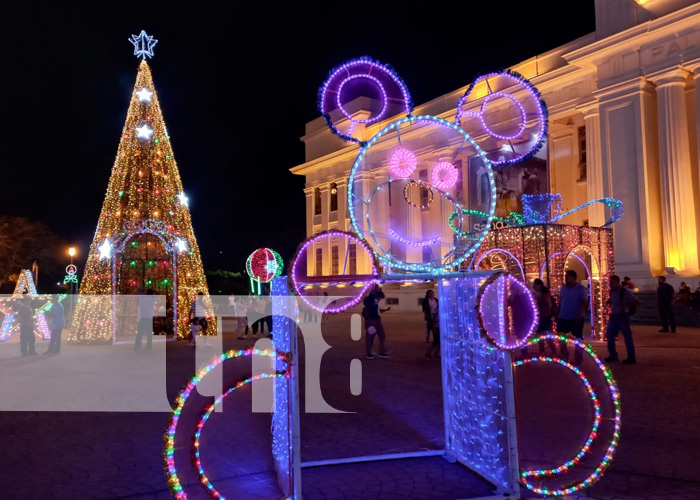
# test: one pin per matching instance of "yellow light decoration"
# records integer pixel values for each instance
(132, 191)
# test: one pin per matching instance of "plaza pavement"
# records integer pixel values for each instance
(118, 454)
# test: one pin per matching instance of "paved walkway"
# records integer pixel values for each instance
(110, 455)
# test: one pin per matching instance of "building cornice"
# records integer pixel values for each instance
(633, 38)
(619, 90)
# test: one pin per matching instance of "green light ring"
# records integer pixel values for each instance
(514, 219)
(351, 188)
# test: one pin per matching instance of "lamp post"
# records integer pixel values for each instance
(71, 252)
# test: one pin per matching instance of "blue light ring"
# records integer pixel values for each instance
(480, 152)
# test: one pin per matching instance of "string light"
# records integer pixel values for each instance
(143, 44)
(444, 175)
(264, 264)
(144, 95)
(385, 81)
(411, 242)
(609, 452)
(402, 163)
(121, 222)
(169, 449)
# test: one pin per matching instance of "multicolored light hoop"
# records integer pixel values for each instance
(567, 466)
(362, 77)
(502, 90)
(264, 264)
(500, 300)
(297, 279)
(402, 163)
(169, 448)
(197, 460)
(444, 175)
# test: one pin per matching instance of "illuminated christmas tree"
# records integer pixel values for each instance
(144, 237)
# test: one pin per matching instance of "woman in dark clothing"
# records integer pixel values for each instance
(432, 323)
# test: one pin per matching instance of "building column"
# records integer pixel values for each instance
(630, 173)
(677, 210)
(594, 164)
(309, 193)
(694, 118)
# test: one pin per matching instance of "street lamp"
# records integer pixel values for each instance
(72, 283)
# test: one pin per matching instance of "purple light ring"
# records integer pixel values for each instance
(484, 333)
(385, 99)
(296, 285)
(523, 118)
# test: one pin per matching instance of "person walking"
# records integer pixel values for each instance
(573, 300)
(664, 300)
(25, 316)
(430, 306)
(57, 316)
(373, 322)
(619, 300)
(147, 309)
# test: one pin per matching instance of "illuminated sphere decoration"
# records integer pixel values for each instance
(264, 264)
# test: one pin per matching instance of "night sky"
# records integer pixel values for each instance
(237, 83)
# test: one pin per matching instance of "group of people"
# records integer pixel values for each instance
(571, 308)
(25, 316)
(254, 306)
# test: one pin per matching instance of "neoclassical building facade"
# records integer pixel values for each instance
(623, 104)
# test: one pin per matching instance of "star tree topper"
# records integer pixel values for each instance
(143, 44)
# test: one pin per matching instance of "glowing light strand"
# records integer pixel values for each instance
(605, 463)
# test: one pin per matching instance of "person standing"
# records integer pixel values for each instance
(57, 316)
(573, 300)
(545, 303)
(25, 316)
(430, 306)
(147, 309)
(620, 299)
(628, 283)
(240, 306)
(373, 322)
(664, 300)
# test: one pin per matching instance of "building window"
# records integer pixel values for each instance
(319, 262)
(334, 261)
(392, 301)
(427, 254)
(582, 154)
(334, 197)
(424, 191)
(352, 258)
(459, 185)
(317, 201)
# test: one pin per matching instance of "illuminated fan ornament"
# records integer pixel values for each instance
(264, 264)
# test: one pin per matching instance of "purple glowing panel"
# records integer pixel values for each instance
(352, 271)
(361, 91)
(507, 311)
(508, 108)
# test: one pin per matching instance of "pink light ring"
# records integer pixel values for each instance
(169, 448)
(615, 398)
(362, 66)
(523, 118)
(568, 465)
(408, 158)
(297, 285)
(493, 280)
(446, 182)
(385, 99)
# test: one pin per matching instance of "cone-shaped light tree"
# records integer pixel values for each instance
(144, 237)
